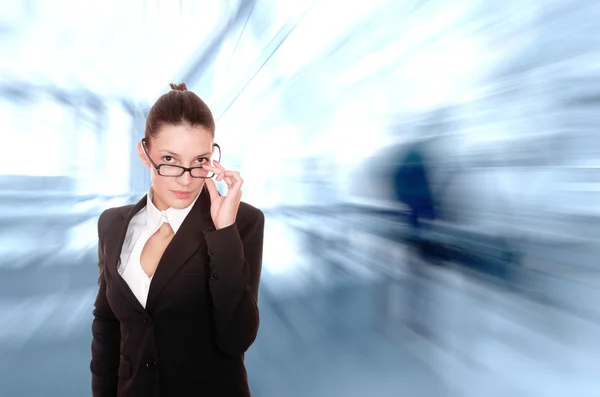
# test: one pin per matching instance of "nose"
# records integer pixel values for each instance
(185, 179)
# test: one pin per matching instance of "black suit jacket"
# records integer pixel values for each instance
(201, 315)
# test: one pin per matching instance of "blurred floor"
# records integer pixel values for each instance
(343, 312)
(318, 335)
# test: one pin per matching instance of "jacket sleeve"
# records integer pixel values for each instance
(106, 337)
(236, 264)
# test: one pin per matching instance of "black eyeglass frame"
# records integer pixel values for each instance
(183, 169)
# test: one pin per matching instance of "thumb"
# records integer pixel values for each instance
(212, 188)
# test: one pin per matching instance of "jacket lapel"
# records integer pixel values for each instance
(188, 239)
(114, 243)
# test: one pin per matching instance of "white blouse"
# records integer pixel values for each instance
(142, 226)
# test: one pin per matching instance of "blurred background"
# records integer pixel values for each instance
(429, 170)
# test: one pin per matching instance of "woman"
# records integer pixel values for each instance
(179, 271)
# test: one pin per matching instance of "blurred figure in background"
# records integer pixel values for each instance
(413, 187)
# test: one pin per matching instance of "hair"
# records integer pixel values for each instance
(176, 107)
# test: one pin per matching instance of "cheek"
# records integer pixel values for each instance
(160, 183)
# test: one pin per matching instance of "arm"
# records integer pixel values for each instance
(236, 256)
(106, 338)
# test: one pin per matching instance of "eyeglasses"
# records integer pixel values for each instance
(176, 170)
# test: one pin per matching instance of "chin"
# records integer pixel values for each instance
(177, 203)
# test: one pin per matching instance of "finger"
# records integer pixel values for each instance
(236, 181)
(219, 176)
(233, 197)
(222, 177)
(218, 165)
(211, 168)
(232, 177)
(217, 171)
(212, 188)
(231, 173)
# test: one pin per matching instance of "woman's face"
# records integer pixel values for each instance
(177, 145)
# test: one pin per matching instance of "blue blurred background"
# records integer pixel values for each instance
(429, 170)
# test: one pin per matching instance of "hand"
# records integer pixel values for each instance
(223, 209)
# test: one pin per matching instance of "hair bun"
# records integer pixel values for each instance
(178, 87)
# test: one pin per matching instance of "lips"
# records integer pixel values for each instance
(181, 194)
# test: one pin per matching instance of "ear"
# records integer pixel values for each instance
(142, 155)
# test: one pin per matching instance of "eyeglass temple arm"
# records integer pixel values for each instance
(217, 145)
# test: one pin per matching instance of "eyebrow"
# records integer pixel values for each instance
(176, 155)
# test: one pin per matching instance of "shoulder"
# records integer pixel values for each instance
(110, 216)
(249, 217)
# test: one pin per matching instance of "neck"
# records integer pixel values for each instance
(157, 202)
(160, 206)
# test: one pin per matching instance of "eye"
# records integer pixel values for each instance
(203, 160)
(168, 159)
